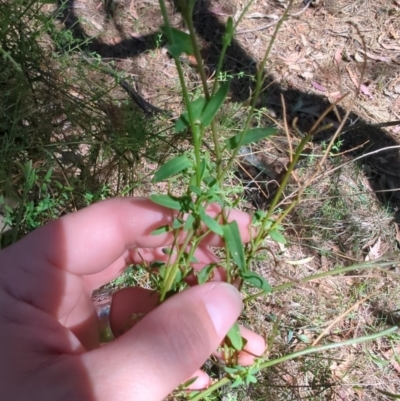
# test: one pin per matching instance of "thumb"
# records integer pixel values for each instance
(166, 347)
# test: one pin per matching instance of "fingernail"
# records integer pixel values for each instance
(223, 304)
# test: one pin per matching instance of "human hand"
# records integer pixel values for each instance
(49, 337)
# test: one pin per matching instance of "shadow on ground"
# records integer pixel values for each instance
(385, 165)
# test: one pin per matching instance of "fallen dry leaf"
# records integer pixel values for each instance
(316, 85)
(301, 261)
(338, 56)
(363, 88)
(391, 357)
(365, 91)
(375, 251)
(375, 57)
(387, 47)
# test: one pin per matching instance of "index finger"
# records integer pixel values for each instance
(90, 240)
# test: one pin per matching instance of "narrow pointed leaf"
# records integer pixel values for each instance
(234, 244)
(166, 201)
(214, 104)
(231, 371)
(177, 223)
(178, 42)
(238, 381)
(204, 274)
(235, 338)
(277, 236)
(197, 107)
(196, 190)
(188, 223)
(251, 379)
(161, 230)
(252, 135)
(213, 225)
(189, 382)
(171, 168)
(256, 281)
(228, 35)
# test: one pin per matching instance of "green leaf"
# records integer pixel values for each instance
(188, 223)
(238, 381)
(256, 281)
(204, 274)
(304, 339)
(235, 338)
(167, 201)
(178, 277)
(234, 370)
(250, 379)
(47, 1)
(171, 168)
(177, 223)
(249, 136)
(212, 224)
(179, 42)
(214, 104)
(195, 189)
(157, 264)
(48, 175)
(188, 383)
(234, 244)
(203, 168)
(161, 230)
(277, 236)
(228, 35)
(197, 107)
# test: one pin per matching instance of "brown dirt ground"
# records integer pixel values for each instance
(320, 54)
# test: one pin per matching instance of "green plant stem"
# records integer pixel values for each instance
(173, 270)
(225, 46)
(325, 347)
(259, 83)
(187, 12)
(195, 128)
(360, 266)
(295, 355)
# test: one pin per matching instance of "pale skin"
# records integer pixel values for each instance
(49, 337)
